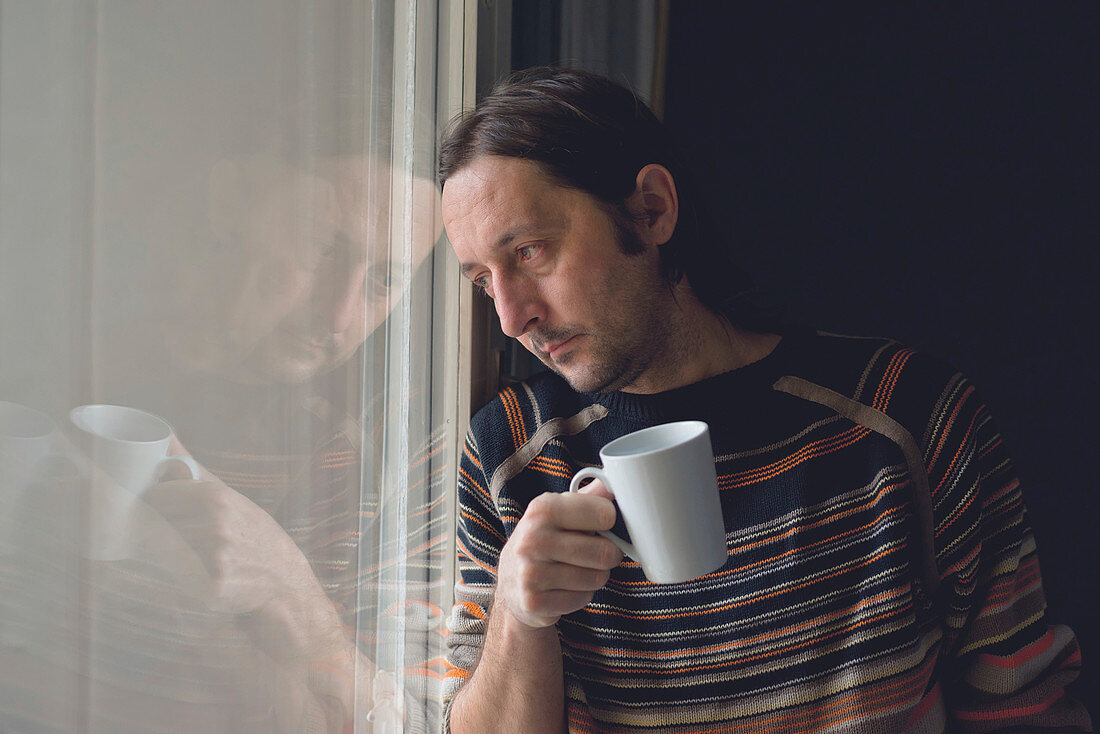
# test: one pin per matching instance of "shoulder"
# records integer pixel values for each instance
(512, 419)
(542, 394)
(908, 384)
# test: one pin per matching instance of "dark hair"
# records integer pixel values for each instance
(594, 135)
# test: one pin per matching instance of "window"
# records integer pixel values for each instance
(219, 236)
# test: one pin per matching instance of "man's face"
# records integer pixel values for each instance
(303, 267)
(551, 259)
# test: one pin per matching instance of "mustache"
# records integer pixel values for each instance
(551, 335)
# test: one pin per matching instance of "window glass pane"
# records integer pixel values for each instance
(218, 238)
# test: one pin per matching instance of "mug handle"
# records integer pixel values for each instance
(169, 468)
(593, 472)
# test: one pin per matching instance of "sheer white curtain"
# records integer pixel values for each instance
(218, 241)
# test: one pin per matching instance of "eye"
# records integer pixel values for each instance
(379, 281)
(484, 283)
(528, 252)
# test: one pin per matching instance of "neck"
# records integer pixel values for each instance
(699, 344)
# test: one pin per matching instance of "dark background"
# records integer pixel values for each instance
(930, 173)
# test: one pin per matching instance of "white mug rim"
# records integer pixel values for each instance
(697, 428)
(76, 414)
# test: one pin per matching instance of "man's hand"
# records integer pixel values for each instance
(552, 565)
(252, 567)
(249, 558)
(554, 562)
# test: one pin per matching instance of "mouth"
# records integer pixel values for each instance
(305, 343)
(553, 350)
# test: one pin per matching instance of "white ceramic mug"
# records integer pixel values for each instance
(130, 447)
(665, 485)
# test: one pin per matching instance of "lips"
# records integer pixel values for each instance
(555, 349)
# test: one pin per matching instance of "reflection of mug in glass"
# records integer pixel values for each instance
(665, 485)
(130, 447)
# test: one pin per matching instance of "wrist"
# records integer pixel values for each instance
(511, 635)
(506, 610)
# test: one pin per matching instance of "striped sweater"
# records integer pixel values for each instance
(881, 573)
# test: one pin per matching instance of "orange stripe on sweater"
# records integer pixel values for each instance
(549, 460)
(890, 379)
(812, 719)
(990, 448)
(931, 699)
(506, 404)
(824, 521)
(660, 654)
(786, 534)
(1011, 587)
(463, 550)
(962, 447)
(551, 469)
(959, 510)
(473, 609)
(519, 416)
(1030, 652)
(474, 482)
(515, 416)
(777, 652)
(810, 451)
(946, 431)
(756, 599)
(482, 523)
(1012, 485)
(966, 715)
(470, 456)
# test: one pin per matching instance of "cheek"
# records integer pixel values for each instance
(588, 292)
(271, 291)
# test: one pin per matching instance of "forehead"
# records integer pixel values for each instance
(492, 192)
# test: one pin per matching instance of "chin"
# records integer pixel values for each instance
(294, 373)
(583, 380)
(295, 369)
(279, 367)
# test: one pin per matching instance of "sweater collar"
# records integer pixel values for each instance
(709, 398)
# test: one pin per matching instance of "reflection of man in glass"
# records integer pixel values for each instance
(297, 273)
(264, 384)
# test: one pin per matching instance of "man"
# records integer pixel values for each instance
(881, 575)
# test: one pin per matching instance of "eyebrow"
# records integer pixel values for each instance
(508, 237)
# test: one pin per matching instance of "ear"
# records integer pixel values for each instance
(655, 204)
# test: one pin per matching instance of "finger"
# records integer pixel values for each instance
(584, 550)
(556, 602)
(566, 577)
(597, 488)
(550, 545)
(174, 469)
(571, 511)
(176, 448)
(180, 498)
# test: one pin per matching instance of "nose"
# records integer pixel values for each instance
(518, 304)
